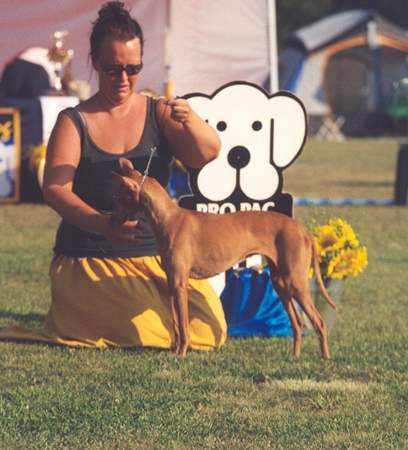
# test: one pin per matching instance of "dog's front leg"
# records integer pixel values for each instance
(176, 324)
(179, 307)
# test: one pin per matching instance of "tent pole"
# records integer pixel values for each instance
(372, 39)
(273, 46)
(168, 82)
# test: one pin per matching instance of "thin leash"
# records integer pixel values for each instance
(146, 172)
(152, 150)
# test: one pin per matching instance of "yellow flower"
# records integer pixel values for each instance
(339, 251)
(345, 230)
(360, 261)
(327, 240)
(349, 261)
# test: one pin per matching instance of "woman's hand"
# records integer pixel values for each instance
(180, 109)
(125, 232)
(193, 141)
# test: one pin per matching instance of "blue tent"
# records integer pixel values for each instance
(345, 65)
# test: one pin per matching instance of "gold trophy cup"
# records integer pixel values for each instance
(60, 56)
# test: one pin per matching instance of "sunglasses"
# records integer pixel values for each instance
(116, 70)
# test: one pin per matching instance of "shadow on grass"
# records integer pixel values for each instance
(31, 319)
(22, 318)
(365, 183)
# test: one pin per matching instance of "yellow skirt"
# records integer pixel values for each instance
(121, 302)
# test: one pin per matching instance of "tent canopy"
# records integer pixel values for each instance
(343, 25)
(199, 45)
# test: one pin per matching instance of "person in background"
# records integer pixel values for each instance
(107, 283)
(28, 75)
(32, 73)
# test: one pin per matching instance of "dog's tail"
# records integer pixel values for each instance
(318, 275)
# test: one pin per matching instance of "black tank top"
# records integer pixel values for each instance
(93, 183)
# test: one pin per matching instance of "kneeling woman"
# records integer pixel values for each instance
(108, 286)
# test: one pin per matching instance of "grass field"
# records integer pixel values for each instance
(355, 169)
(249, 395)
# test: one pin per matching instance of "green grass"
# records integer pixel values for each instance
(356, 168)
(251, 394)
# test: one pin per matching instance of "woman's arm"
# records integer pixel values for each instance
(63, 154)
(193, 140)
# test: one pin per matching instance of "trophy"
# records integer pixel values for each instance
(60, 56)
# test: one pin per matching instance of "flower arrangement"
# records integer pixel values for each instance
(339, 251)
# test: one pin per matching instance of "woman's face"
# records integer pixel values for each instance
(118, 66)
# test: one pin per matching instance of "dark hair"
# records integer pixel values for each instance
(113, 21)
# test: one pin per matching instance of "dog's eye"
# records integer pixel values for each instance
(257, 125)
(221, 125)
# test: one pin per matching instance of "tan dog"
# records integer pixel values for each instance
(200, 245)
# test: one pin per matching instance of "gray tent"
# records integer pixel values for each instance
(345, 65)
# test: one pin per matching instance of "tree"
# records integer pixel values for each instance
(395, 11)
(294, 14)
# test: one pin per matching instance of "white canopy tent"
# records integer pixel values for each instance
(199, 45)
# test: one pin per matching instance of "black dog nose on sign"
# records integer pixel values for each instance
(238, 157)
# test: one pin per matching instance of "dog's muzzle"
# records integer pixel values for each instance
(239, 157)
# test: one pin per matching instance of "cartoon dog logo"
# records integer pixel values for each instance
(261, 135)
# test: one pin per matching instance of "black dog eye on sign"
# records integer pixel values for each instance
(261, 135)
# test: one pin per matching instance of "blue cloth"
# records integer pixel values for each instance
(252, 307)
(178, 183)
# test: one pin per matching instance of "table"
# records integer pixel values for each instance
(51, 106)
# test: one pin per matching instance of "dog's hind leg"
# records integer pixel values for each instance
(304, 299)
(296, 326)
(287, 301)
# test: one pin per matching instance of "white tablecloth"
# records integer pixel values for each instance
(51, 106)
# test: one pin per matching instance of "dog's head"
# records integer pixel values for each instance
(127, 197)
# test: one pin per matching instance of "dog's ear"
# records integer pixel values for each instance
(117, 178)
(125, 181)
(126, 166)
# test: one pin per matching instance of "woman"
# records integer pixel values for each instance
(108, 287)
